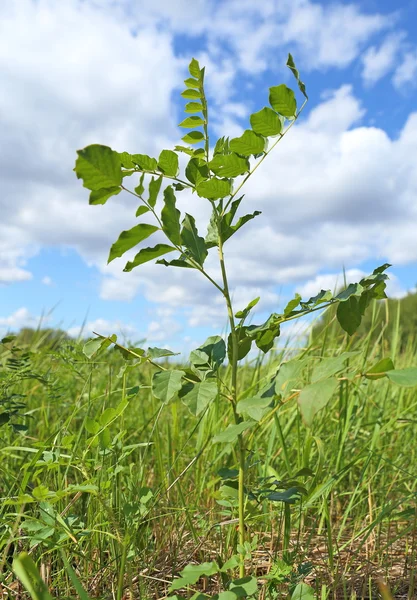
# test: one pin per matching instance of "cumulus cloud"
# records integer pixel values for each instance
(406, 73)
(378, 61)
(22, 317)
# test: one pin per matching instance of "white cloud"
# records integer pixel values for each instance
(47, 280)
(22, 317)
(377, 62)
(406, 72)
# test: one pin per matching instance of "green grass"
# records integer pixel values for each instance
(129, 507)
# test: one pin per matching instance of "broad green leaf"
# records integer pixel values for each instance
(185, 150)
(196, 170)
(139, 189)
(95, 345)
(288, 375)
(214, 188)
(303, 591)
(320, 298)
(126, 160)
(153, 353)
(314, 397)
(107, 415)
(170, 217)
(247, 586)
(145, 162)
(289, 496)
(291, 65)
(353, 289)
(147, 254)
(265, 339)
(248, 143)
(221, 146)
(266, 122)
(192, 573)
(231, 433)
(194, 69)
(154, 187)
(130, 238)
(193, 107)
(215, 349)
(229, 165)
(292, 304)
(193, 137)
(99, 167)
(330, 366)
(190, 94)
(168, 163)
(282, 99)
(405, 377)
(192, 83)
(27, 572)
(142, 210)
(91, 425)
(177, 262)
(200, 396)
(166, 384)
(380, 369)
(243, 346)
(101, 196)
(349, 314)
(192, 241)
(227, 595)
(242, 314)
(254, 407)
(191, 122)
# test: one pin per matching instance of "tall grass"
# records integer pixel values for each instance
(132, 505)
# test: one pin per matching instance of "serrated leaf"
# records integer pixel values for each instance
(266, 122)
(214, 188)
(231, 433)
(170, 217)
(191, 122)
(130, 238)
(99, 167)
(282, 99)
(314, 397)
(200, 396)
(380, 369)
(101, 196)
(193, 137)
(154, 187)
(147, 254)
(144, 162)
(349, 314)
(291, 65)
(193, 107)
(168, 163)
(192, 241)
(248, 143)
(166, 384)
(194, 68)
(190, 94)
(229, 165)
(405, 377)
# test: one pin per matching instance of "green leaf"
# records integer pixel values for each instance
(192, 241)
(200, 396)
(139, 189)
(153, 353)
(192, 573)
(303, 591)
(405, 377)
(254, 407)
(229, 165)
(95, 345)
(170, 217)
(101, 196)
(314, 397)
(292, 304)
(288, 496)
(194, 69)
(154, 187)
(380, 369)
(144, 162)
(330, 366)
(191, 122)
(192, 83)
(82, 594)
(248, 143)
(288, 375)
(91, 425)
(242, 314)
(27, 572)
(243, 346)
(215, 349)
(177, 262)
(142, 210)
(193, 137)
(247, 586)
(231, 433)
(349, 314)
(291, 65)
(147, 254)
(196, 170)
(130, 238)
(266, 122)
(168, 163)
(189, 94)
(282, 99)
(107, 415)
(214, 188)
(99, 167)
(353, 289)
(193, 107)
(166, 384)
(126, 160)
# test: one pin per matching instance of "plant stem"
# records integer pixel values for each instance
(234, 366)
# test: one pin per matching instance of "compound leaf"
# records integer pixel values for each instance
(130, 238)
(147, 254)
(282, 99)
(99, 167)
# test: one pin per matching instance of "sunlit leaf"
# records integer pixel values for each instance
(190, 94)
(130, 238)
(166, 384)
(266, 122)
(314, 397)
(231, 433)
(191, 122)
(282, 99)
(154, 187)
(214, 188)
(405, 377)
(192, 241)
(101, 196)
(99, 167)
(193, 137)
(170, 217)
(229, 165)
(145, 162)
(193, 107)
(168, 163)
(248, 143)
(291, 65)
(380, 369)
(147, 254)
(200, 396)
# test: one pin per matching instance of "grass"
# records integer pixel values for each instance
(130, 504)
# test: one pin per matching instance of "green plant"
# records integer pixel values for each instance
(212, 175)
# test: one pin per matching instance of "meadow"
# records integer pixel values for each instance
(128, 490)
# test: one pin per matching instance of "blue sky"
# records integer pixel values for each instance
(339, 192)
